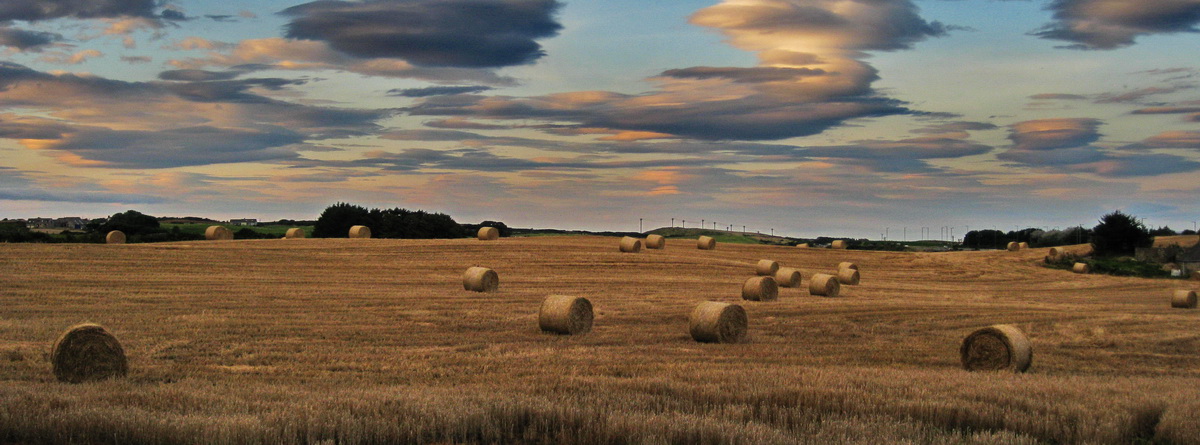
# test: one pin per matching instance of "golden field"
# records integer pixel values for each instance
(375, 341)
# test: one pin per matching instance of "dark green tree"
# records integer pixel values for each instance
(1119, 234)
(131, 222)
(337, 219)
(985, 239)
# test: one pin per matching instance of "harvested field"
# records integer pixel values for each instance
(376, 341)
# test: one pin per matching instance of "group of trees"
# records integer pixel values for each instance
(336, 221)
(1117, 233)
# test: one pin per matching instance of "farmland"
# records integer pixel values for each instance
(375, 341)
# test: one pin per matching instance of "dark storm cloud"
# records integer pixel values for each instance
(437, 91)
(26, 40)
(744, 75)
(430, 33)
(1110, 24)
(35, 10)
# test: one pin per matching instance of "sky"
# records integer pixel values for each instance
(861, 118)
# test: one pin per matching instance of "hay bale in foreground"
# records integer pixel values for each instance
(115, 237)
(218, 233)
(706, 243)
(714, 322)
(481, 279)
(766, 268)
(86, 353)
(839, 244)
(295, 233)
(788, 277)
(996, 348)
(566, 315)
(824, 285)
(1013, 246)
(760, 289)
(847, 265)
(1185, 299)
(1023, 245)
(488, 234)
(1081, 268)
(655, 242)
(360, 232)
(848, 276)
(630, 244)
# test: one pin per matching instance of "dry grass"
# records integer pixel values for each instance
(376, 341)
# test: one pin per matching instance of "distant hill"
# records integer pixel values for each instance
(725, 236)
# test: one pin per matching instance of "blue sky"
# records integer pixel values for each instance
(811, 117)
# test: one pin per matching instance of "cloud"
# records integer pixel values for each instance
(848, 25)
(27, 40)
(19, 185)
(1050, 134)
(71, 59)
(1111, 24)
(198, 75)
(437, 91)
(1171, 139)
(1064, 144)
(430, 33)
(1167, 110)
(37, 10)
(101, 122)
(1057, 96)
(137, 59)
(1139, 94)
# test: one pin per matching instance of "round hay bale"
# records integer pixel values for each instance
(824, 285)
(1023, 246)
(1013, 246)
(1056, 252)
(655, 242)
(1185, 299)
(848, 276)
(630, 244)
(766, 268)
(996, 348)
(488, 234)
(706, 243)
(481, 279)
(847, 265)
(218, 233)
(86, 353)
(1196, 275)
(760, 289)
(802, 245)
(360, 232)
(294, 233)
(566, 315)
(788, 277)
(839, 244)
(115, 237)
(1081, 268)
(714, 322)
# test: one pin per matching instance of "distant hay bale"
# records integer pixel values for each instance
(87, 352)
(360, 232)
(630, 244)
(1185, 299)
(218, 233)
(481, 279)
(566, 315)
(1013, 246)
(848, 276)
(766, 267)
(760, 289)
(706, 243)
(655, 242)
(839, 244)
(1023, 246)
(714, 322)
(802, 245)
(824, 285)
(847, 265)
(488, 234)
(115, 237)
(787, 277)
(1056, 252)
(996, 348)
(1081, 268)
(295, 233)
(1196, 275)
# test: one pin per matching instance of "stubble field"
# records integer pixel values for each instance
(375, 341)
